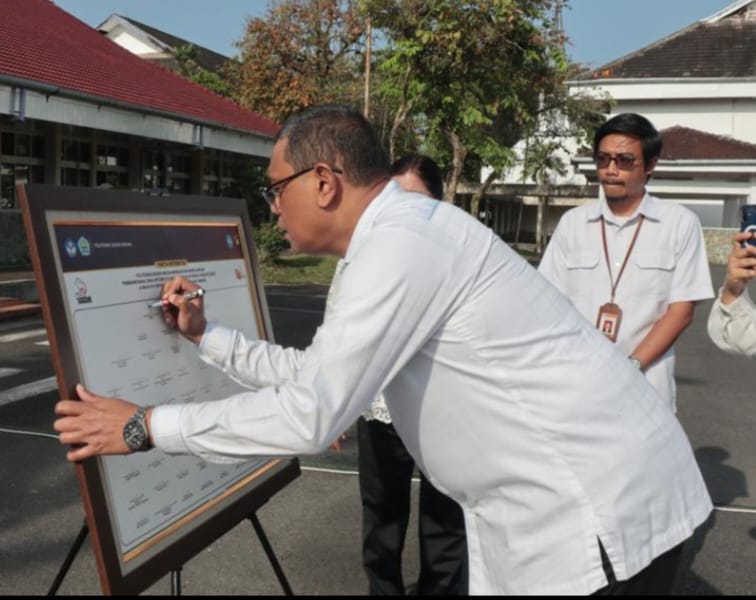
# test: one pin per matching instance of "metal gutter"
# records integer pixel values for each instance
(53, 90)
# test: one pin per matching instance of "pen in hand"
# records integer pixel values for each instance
(198, 293)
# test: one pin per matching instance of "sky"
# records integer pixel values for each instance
(599, 30)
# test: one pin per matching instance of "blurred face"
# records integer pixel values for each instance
(619, 163)
(410, 182)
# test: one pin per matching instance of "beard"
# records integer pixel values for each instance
(616, 191)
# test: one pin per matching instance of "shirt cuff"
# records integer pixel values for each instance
(742, 305)
(216, 344)
(165, 429)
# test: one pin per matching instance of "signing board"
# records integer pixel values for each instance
(100, 259)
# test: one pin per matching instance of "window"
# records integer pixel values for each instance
(22, 154)
(112, 166)
(10, 174)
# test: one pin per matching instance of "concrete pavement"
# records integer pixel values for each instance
(314, 523)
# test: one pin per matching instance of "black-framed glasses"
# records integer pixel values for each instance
(624, 162)
(275, 189)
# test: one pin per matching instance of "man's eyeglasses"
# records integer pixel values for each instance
(275, 189)
(624, 162)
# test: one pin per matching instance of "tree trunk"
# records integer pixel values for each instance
(480, 194)
(459, 153)
(401, 114)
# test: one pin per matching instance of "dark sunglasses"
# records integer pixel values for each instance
(624, 162)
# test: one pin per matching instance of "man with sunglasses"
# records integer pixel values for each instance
(631, 263)
(506, 398)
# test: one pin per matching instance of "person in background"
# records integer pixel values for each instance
(631, 263)
(732, 320)
(386, 468)
(506, 398)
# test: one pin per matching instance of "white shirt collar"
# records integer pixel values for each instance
(648, 207)
(364, 224)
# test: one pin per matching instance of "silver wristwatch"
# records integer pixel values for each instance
(636, 362)
(135, 432)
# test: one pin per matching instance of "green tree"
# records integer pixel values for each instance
(187, 66)
(301, 53)
(482, 73)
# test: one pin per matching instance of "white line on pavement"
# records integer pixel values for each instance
(8, 371)
(736, 509)
(28, 390)
(14, 337)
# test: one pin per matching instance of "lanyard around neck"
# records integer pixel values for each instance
(615, 283)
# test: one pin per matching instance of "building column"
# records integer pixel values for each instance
(53, 154)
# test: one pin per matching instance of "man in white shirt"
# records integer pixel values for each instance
(732, 320)
(506, 398)
(631, 263)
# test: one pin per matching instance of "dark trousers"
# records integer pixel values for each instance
(385, 477)
(655, 580)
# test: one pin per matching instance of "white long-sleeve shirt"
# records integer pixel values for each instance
(732, 326)
(507, 399)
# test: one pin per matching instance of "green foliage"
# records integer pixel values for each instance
(460, 81)
(186, 66)
(248, 182)
(303, 52)
(481, 72)
(270, 242)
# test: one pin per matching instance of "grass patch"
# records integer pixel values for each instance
(299, 268)
(304, 268)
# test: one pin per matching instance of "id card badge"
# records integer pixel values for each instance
(608, 321)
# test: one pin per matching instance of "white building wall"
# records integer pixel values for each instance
(723, 108)
(132, 44)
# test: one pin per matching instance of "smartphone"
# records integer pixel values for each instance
(748, 221)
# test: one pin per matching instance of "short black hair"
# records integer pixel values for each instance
(636, 126)
(425, 168)
(338, 135)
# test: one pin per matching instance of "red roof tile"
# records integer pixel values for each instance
(43, 43)
(682, 143)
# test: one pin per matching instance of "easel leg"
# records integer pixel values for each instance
(176, 582)
(69, 559)
(271, 556)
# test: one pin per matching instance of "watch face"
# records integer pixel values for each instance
(134, 435)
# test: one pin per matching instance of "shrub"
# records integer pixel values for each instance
(270, 242)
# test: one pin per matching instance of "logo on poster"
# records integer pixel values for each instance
(70, 248)
(84, 247)
(81, 292)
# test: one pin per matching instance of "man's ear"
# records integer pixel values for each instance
(650, 167)
(329, 186)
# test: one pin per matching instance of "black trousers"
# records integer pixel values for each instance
(655, 580)
(385, 477)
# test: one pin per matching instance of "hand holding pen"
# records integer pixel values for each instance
(198, 293)
(182, 304)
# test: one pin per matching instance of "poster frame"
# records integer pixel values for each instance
(219, 514)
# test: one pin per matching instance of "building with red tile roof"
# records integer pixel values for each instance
(698, 86)
(77, 109)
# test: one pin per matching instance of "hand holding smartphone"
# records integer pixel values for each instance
(748, 222)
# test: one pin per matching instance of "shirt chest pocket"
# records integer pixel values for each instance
(581, 272)
(653, 272)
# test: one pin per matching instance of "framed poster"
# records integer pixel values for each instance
(100, 259)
